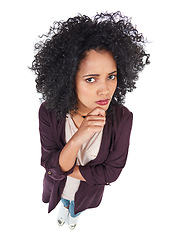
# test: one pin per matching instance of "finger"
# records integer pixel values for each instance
(95, 118)
(98, 122)
(97, 129)
(98, 111)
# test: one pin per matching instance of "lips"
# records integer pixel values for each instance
(103, 102)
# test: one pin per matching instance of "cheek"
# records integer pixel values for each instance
(113, 86)
(83, 92)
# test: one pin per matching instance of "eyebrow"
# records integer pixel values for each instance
(96, 75)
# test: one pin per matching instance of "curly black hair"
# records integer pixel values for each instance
(61, 50)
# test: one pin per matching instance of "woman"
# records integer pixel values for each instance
(84, 69)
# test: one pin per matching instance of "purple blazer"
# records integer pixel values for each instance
(101, 171)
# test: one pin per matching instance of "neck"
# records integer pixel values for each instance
(83, 110)
(80, 114)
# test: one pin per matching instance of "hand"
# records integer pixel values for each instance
(76, 174)
(93, 123)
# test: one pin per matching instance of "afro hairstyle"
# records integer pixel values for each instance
(60, 51)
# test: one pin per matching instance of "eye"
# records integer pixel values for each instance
(112, 77)
(90, 80)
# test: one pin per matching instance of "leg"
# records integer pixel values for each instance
(65, 202)
(63, 212)
(73, 218)
(71, 210)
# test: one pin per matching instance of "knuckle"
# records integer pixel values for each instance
(88, 117)
(89, 129)
(88, 123)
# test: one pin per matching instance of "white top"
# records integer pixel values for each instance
(88, 151)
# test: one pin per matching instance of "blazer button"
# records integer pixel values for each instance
(108, 184)
(49, 172)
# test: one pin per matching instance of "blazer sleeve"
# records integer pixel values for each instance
(110, 169)
(50, 151)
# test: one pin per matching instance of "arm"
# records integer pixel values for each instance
(70, 151)
(91, 124)
(77, 174)
(60, 161)
(49, 148)
(68, 154)
(110, 170)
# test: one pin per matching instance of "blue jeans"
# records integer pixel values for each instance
(70, 204)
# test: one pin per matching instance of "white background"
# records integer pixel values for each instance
(137, 205)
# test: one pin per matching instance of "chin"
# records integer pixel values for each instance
(105, 107)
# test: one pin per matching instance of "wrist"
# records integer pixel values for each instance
(75, 141)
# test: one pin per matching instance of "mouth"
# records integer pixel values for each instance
(103, 102)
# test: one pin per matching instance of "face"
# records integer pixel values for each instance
(96, 81)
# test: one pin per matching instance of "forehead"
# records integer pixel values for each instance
(97, 61)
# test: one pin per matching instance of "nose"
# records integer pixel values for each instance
(103, 89)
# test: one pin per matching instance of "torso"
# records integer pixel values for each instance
(87, 152)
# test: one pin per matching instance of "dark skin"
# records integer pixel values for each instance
(95, 81)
